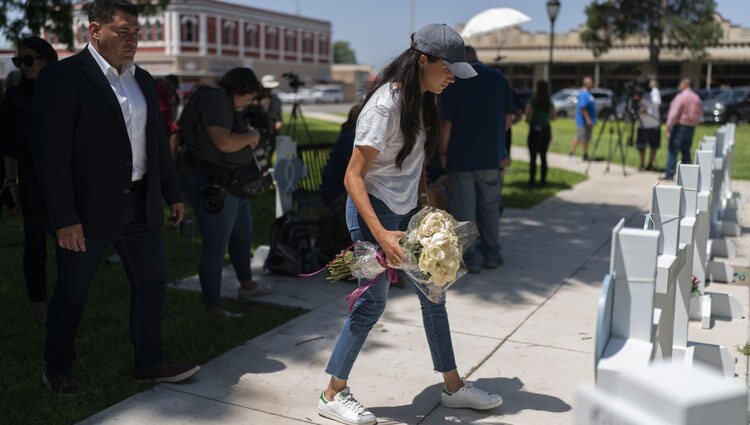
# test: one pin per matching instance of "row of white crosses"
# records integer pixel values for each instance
(647, 371)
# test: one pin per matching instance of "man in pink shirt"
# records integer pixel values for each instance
(685, 114)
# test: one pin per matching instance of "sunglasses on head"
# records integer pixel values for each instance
(27, 61)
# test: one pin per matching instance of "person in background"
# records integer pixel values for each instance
(173, 130)
(474, 114)
(172, 86)
(271, 104)
(34, 53)
(585, 118)
(220, 137)
(539, 112)
(332, 185)
(648, 129)
(654, 93)
(685, 114)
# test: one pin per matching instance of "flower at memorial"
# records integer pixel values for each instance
(433, 248)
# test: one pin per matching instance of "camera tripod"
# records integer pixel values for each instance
(611, 123)
(297, 117)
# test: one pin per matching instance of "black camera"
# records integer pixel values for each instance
(636, 87)
(212, 198)
(293, 80)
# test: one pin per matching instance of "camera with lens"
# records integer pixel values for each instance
(211, 198)
(293, 80)
(636, 87)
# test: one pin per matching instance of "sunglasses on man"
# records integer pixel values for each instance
(27, 61)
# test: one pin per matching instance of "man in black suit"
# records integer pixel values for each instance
(101, 152)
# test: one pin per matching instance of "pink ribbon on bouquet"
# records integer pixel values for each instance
(391, 276)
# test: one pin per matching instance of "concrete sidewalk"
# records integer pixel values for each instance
(524, 330)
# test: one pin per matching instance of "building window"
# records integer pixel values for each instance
(307, 43)
(188, 31)
(230, 34)
(145, 32)
(272, 41)
(290, 41)
(83, 34)
(323, 45)
(251, 35)
(159, 31)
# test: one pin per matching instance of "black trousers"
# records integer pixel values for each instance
(538, 141)
(34, 212)
(141, 249)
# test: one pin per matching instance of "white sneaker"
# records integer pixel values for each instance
(345, 409)
(470, 397)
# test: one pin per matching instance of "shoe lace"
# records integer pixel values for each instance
(469, 387)
(351, 403)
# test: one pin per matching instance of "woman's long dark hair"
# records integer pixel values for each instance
(541, 96)
(404, 70)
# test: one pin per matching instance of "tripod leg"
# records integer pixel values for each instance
(304, 126)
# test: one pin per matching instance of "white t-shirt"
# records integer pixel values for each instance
(379, 126)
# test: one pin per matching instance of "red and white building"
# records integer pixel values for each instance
(197, 39)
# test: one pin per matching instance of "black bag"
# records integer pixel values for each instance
(242, 181)
(333, 235)
(291, 252)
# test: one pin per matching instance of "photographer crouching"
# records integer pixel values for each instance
(219, 173)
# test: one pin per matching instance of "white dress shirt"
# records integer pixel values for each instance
(134, 108)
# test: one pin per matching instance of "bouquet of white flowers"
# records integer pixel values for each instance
(433, 246)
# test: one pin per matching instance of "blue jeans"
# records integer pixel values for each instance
(370, 306)
(475, 196)
(232, 227)
(680, 140)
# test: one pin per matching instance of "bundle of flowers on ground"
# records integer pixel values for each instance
(433, 247)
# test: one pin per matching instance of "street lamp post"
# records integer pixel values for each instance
(553, 8)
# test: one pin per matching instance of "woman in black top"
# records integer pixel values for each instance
(34, 53)
(539, 112)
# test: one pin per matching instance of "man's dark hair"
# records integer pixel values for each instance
(239, 81)
(103, 11)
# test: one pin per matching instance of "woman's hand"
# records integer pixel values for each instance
(389, 243)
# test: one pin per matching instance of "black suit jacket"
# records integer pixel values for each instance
(82, 151)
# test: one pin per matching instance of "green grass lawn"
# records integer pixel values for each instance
(563, 131)
(105, 354)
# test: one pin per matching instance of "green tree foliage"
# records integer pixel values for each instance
(22, 18)
(671, 24)
(343, 53)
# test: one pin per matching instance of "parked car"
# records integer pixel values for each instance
(729, 106)
(302, 96)
(327, 95)
(565, 101)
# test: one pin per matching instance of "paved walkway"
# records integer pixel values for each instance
(524, 330)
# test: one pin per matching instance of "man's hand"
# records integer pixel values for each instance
(71, 238)
(588, 122)
(178, 213)
(505, 163)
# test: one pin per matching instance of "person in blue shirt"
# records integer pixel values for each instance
(585, 118)
(475, 114)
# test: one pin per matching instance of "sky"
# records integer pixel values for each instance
(379, 30)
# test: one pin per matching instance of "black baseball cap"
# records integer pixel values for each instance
(442, 41)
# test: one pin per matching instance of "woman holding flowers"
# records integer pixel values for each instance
(396, 129)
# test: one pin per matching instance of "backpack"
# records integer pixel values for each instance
(291, 252)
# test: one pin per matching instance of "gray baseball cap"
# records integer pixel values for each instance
(442, 41)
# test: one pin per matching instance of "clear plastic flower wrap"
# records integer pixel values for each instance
(433, 254)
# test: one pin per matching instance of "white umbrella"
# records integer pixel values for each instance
(492, 20)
